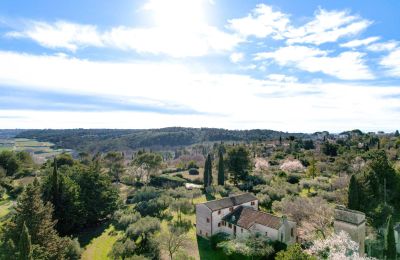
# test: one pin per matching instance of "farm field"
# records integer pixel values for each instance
(40, 151)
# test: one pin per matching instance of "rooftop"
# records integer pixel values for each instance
(349, 216)
(230, 201)
(246, 217)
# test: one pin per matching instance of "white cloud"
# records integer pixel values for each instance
(61, 34)
(347, 65)
(392, 63)
(327, 26)
(308, 107)
(383, 46)
(236, 57)
(282, 78)
(262, 22)
(180, 29)
(358, 43)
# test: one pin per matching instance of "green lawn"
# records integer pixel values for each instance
(98, 242)
(5, 206)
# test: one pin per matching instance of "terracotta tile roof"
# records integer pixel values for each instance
(246, 217)
(230, 201)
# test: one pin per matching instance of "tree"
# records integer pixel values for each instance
(221, 170)
(151, 162)
(115, 164)
(25, 251)
(252, 246)
(173, 240)
(97, 194)
(37, 216)
(9, 162)
(353, 194)
(312, 215)
(294, 252)
(312, 169)
(207, 172)
(238, 163)
(390, 243)
(337, 246)
(397, 134)
(64, 194)
(143, 229)
(181, 206)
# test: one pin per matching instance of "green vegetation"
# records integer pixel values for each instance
(122, 202)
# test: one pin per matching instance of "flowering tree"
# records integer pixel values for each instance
(336, 247)
(292, 166)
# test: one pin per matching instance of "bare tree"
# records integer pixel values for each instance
(314, 216)
(173, 240)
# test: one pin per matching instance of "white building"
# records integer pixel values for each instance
(239, 216)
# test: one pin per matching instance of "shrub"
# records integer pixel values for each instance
(217, 238)
(293, 178)
(193, 171)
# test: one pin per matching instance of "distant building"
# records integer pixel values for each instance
(239, 216)
(353, 222)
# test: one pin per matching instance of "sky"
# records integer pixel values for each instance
(297, 66)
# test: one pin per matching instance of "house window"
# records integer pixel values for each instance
(206, 234)
(231, 209)
(230, 225)
(219, 224)
(201, 232)
(219, 212)
(241, 230)
(266, 233)
(281, 237)
(223, 223)
(253, 203)
(291, 232)
(208, 220)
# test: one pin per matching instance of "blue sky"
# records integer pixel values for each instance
(284, 65)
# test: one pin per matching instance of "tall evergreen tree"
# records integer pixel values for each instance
(353, 194)
(210, 176)
(221, 170)
(205, 174)
(37, 216)
(24, 247)
(55, 186)
(390, 243)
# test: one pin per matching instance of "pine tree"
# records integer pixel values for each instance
(25, 251)
(37, 217)
(221, 170)
(390, 243)
(353, 194)
(397, 134)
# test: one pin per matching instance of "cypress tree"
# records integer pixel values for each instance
(205, 175)
(55, 186)
(210, 177)
(390, 243)
(221, 170)
(25, 251)
(353, 195)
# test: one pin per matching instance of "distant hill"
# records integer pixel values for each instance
(9, 133)
(103, 140)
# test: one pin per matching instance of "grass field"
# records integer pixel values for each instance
(97, 242)
(5, 206)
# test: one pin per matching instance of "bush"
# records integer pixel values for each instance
(167, 181)
(193, 171)
(293, 178)
(217, 238)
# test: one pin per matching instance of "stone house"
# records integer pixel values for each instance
(353, 222)
(239, 216)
